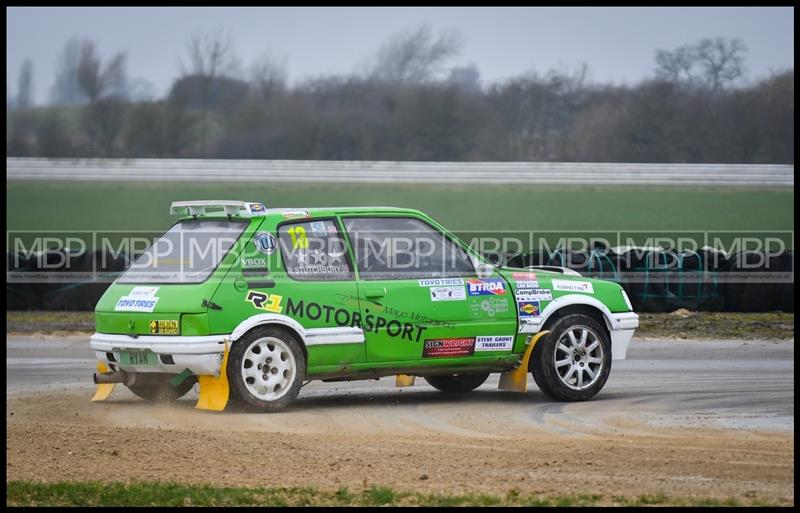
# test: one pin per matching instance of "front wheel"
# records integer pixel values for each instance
(457, 383)
(573, 361)
(266, 368)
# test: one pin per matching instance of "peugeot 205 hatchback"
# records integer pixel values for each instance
(252, 302)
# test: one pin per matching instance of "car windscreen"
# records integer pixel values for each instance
(187, 253)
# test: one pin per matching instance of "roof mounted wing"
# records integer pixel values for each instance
(200, 207)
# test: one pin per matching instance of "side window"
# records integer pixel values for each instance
(314, 251)
(404, 248)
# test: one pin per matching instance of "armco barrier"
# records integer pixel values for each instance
(349, 171)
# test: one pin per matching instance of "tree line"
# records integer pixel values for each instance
(408, 103)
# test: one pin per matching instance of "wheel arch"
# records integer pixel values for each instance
(282, 321)
(576, 303)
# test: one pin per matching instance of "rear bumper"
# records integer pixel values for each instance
(201, 355)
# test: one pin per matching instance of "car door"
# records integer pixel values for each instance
(419, 295)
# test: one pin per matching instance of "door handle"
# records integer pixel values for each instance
(375, 292)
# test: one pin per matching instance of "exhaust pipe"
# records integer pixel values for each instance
(111, 377)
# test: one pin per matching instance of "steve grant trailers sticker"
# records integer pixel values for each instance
(501, 343)
(448, 347)
(448, 293)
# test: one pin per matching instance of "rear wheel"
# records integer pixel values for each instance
(266, 368)
(457, 383)
(158, 387)
(573, 361)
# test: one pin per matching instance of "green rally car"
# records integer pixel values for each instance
(253, 302)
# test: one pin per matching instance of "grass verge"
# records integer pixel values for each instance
(28, 493)
(681, 324)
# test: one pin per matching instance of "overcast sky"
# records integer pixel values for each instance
(618, 43)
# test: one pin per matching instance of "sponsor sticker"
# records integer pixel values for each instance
(268, 302)
(452, 293)
(441, 282)
(486, 287)
(164, 328)
(255, 262)
(483, 306)
(258, 208)
(143, 291)
(294, 213)
(528, 309)
(140, 299)
(265, 242)
(524, 276)
(533, 295)
(501, 343)
(573, 286)
(318, 227)
(448, 347)
(527, 284)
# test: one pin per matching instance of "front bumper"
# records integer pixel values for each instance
(201, 355)
(620, 326)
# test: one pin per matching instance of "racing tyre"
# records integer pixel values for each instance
(457, 383)
(158, 387)
(266, 369)
(573, 361)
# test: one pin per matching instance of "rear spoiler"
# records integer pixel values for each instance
(201, 207)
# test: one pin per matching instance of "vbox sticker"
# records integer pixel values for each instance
(501, 343)
(533, 295)
(453, 293)
(573, 286)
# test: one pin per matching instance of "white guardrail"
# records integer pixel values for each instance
(348, 171)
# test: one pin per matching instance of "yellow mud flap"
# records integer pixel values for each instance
(403, 380)
(103, 389)
(214, 389)
(517, 380)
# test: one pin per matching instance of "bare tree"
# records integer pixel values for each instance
(25, 92)
(97, 81)
(416, 56)
(66, 89)
(211, 56)
(721, 61)
(714, 64)
(268, 75)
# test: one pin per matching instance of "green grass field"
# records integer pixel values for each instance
(25, 493)
(135, 206)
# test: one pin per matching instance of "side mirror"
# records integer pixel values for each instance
(482, 269)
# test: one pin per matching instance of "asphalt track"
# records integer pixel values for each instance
(728, 384)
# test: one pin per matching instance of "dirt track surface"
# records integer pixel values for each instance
(705, 420)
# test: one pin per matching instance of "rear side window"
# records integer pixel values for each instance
(187, 253)
(314, 251)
